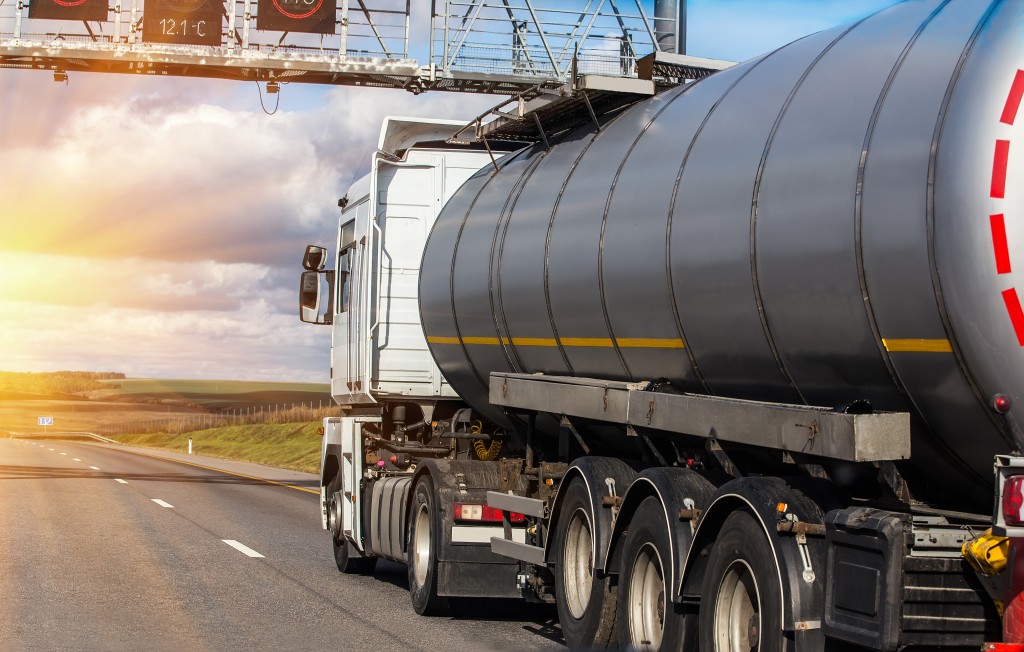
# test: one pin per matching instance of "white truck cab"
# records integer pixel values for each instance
(383, 376)
(378, 348)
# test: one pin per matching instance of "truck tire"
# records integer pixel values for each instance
(586, 602)
(741, 604)
(648, 619)
(423, 536)
(348, 559)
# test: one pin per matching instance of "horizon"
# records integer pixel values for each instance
(118, 376)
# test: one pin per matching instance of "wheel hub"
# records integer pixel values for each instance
(646, 606)
(421, 544)
(578, 564)
(753, 631)
(737, 610)
(334, 518)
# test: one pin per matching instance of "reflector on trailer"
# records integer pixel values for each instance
(1013, 500)
(483, 513)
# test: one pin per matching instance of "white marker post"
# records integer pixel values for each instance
(44, 422)
(189, 445)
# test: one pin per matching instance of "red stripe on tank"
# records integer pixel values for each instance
(999, 161)
(1013, 100)
(1000, 244)
(1016, 313)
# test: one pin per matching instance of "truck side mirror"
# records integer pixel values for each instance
(315, 258)
(316, 305)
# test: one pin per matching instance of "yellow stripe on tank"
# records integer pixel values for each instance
(919, 346)
(493, 341)
(534, 341)
(648, 343)
(443, 340)
(595, 342)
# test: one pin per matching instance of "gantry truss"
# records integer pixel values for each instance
(485, 46)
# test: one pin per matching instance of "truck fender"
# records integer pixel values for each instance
(455, 481)
(330, 467)
(801, 567)
(593, 471)
(330, 451)
(676, 489)
(330, 462)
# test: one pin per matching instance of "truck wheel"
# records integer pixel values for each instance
(741, 599)
(348, 559)
(424, 528)
(586, 603)
(648, 619)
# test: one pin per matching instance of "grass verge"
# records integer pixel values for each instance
(293, 446)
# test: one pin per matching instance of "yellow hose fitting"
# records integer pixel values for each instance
(987, 554)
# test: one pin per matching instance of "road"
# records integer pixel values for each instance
(103, 548)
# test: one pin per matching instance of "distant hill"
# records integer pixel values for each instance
(54, 384)
(110, 402)
(214, 394)
(114, 387)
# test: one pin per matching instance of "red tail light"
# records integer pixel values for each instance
(1013, 501)
(483, 513)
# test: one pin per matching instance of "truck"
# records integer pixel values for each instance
(732, 364)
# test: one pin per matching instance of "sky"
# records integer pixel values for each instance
(155, 226)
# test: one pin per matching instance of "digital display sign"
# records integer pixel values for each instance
(312, 16)
(183, 22)
(94, 10)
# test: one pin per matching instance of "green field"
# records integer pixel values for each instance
(268, 423)
(217, 394)
(107, 403)
(289, 446)
(186, 387)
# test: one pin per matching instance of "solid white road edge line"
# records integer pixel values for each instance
(162, 503)
(121, 481)
(245, 550)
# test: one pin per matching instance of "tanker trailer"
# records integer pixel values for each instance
(739, 356)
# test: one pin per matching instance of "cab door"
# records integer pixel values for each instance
(349, 351)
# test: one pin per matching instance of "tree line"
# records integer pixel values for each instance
(58, 382)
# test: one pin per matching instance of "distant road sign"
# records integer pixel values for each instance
(46, 421)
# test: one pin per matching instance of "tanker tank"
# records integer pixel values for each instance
(838, 219)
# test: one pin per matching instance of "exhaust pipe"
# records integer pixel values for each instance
(670, 25)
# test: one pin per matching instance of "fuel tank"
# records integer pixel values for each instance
(839, 219)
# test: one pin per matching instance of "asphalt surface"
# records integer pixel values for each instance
(109, 548)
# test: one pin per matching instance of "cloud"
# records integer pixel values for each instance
(134, 178)
(154, 285)
(252, 342)
(155, 227)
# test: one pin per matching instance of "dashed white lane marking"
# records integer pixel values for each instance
(76, 459)
(244, 549)
(63, 453)
(95, 468)
(51, 449)
(121, 481)
(161, 502)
